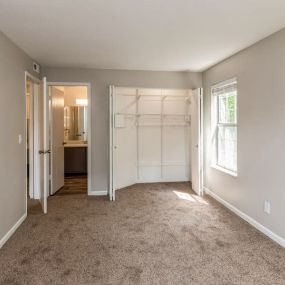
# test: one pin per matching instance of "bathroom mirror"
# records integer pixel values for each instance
(75, 123)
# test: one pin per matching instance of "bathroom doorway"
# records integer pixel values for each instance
(70, 140)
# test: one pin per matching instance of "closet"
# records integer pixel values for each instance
(152, 137)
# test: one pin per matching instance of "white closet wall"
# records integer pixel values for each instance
(151, 135)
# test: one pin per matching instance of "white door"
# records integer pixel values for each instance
(111, 146)
(124, 138)
(196, 141)
(57, 139)
(41, 143)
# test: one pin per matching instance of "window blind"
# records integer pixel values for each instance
(224, 89)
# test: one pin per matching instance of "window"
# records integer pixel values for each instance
(224, 112)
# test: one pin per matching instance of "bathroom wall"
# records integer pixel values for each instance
(71, 93)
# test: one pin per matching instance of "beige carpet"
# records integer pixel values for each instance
(150, 235)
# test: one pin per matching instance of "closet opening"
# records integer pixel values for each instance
(155, 136)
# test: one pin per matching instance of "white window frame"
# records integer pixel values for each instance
(215, 124)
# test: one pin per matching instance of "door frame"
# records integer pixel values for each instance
(34, 80)
(201, 140)
(89, 124)
(111, 144)
(201, 90)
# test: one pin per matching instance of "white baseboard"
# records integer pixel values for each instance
(98, 193)
(12, 230)
(247, 218)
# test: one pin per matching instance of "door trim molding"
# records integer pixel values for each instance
(247, 218)
(12, 230)
(35, 80)
(89, 125)
(28, 74)
(111, 189)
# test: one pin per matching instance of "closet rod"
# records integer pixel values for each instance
(154, 95)
(145, 114)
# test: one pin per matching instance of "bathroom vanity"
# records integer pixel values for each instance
(75, 140)
(75, 158)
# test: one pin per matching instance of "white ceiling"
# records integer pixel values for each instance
(138, 34)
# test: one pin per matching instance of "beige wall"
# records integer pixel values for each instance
(100, 80)
(13, 63)
(260, 71)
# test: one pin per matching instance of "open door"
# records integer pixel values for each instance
(57, 139)
(124, 138)
(111, 145)
(42, 143)
(197, 140)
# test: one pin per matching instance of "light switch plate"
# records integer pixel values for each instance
(20, 138)
(267, 207)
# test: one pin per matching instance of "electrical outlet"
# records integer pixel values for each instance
(267, 207)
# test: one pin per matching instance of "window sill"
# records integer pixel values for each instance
(227, 171)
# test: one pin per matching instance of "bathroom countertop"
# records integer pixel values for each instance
(75, 145)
